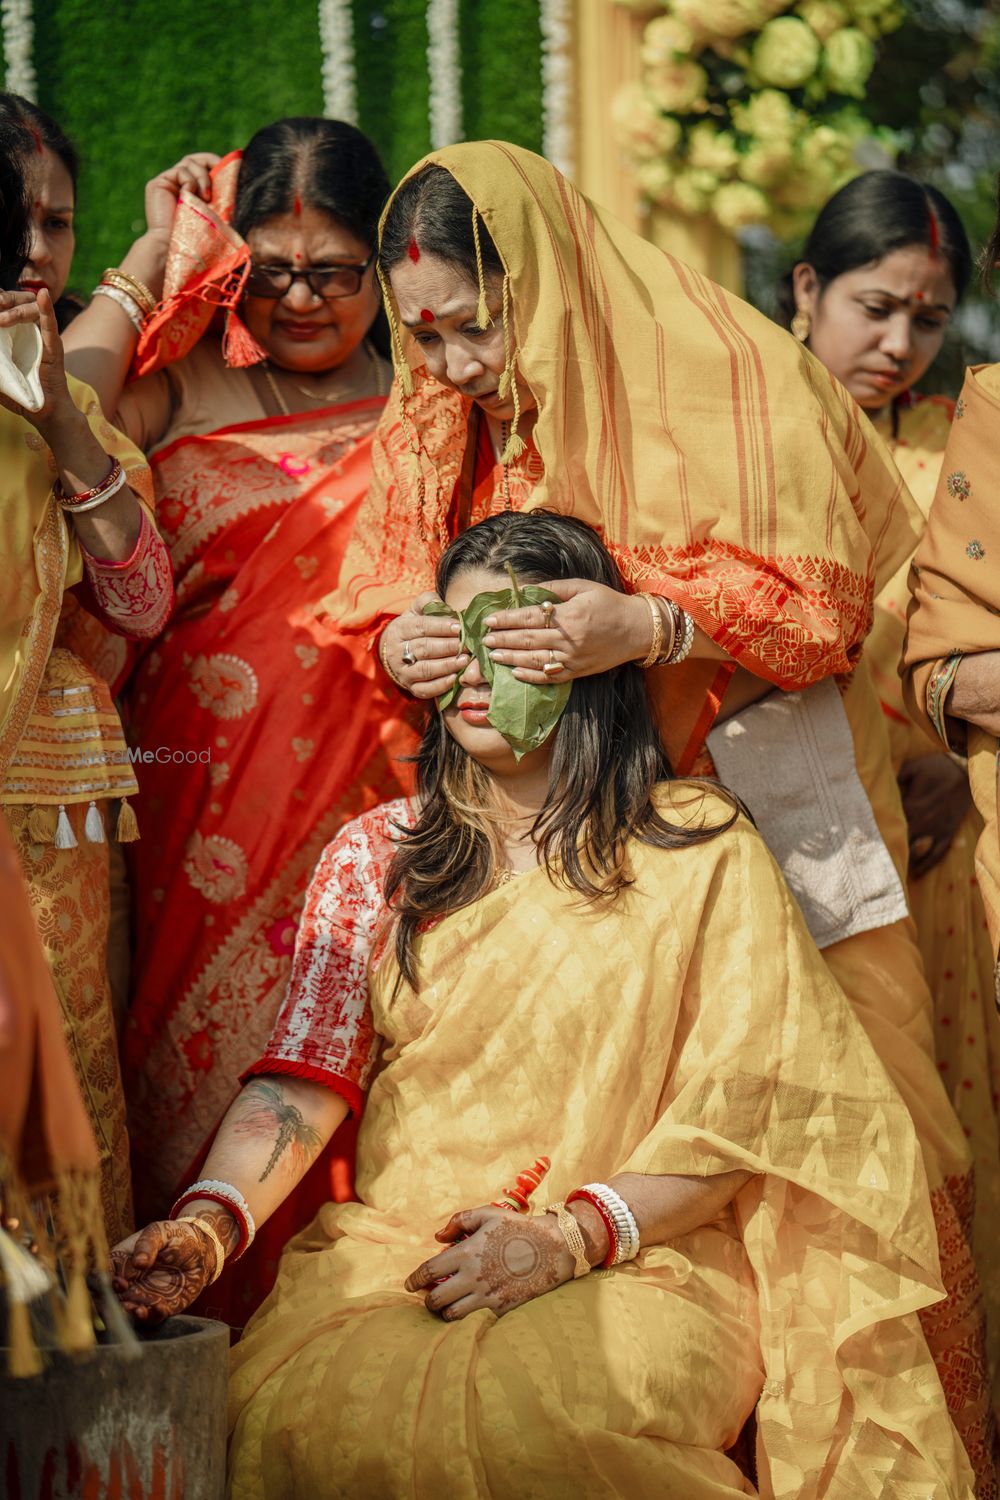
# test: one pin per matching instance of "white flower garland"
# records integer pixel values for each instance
(557, 84)
(18, 44)
(336, 35)
(444, 65)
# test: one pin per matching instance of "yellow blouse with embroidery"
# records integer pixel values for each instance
(61, 739)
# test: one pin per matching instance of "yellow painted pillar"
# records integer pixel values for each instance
(607, 41)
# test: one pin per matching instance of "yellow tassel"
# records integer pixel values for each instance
(42, 824)
(515, 444)
(508, 366)
(483, 319)
(23, 1358)
(400, 363)
(513, 448)
(78, 1327)
(127, 827)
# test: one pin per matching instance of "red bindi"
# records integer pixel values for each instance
(413, 251)
(427, 316)
(918, 296)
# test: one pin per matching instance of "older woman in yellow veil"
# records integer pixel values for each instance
(548, 357)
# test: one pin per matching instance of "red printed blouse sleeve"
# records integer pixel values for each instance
(324, 1030)
(134, 597)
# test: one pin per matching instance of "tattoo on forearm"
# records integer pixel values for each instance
(265, 1111)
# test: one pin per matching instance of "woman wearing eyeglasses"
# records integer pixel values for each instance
(259, 381)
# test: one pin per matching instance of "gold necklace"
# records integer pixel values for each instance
(338, 396)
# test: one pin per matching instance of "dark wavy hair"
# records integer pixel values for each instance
(607, 759)
(15, 207)
(431, 209)
(325, 164)
(869, 218)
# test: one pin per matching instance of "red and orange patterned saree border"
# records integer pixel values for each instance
(956, 1335)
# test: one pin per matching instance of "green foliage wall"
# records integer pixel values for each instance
(138, 83)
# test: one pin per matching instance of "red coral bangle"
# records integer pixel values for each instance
(234, 1209)
(607, 1220)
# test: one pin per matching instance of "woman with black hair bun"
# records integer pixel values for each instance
(872, 296)
(247, 321)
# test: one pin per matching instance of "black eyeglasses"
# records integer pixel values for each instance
(323, 281)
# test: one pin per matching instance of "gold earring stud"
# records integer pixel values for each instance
(802, 324)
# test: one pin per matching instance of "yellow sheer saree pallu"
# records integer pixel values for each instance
(658, 1035)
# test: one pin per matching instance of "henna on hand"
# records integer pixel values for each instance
(498, 1260)
(222, 1220)
(161, 1270)
(518, 1262)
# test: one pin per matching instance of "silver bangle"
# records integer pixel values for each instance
(626, 1228)
(128, 305)
(683, 640)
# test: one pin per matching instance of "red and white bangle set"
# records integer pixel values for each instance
(114, 481)
(619, 1221)
(227, 1196)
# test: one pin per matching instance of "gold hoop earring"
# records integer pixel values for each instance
(802, 324)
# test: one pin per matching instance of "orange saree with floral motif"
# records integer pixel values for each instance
(258, 731)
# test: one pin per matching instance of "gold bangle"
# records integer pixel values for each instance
(656, 644)
(136, 289)
(206, 1228)
(671, 612)
(573, 1235)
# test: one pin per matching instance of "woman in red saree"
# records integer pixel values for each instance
(253, 722)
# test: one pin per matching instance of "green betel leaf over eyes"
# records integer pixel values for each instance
(525, 713)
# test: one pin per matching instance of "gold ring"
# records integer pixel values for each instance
(552, 665)
(548, 610)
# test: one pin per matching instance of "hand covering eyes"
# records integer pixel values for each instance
(525, 713)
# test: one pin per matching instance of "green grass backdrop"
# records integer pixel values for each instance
(137, 83)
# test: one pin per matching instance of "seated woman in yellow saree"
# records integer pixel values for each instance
(579, 958)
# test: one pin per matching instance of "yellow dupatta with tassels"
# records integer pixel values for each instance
(724, 466)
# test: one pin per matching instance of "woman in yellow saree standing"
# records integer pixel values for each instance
(554, 359)
(583, 959)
